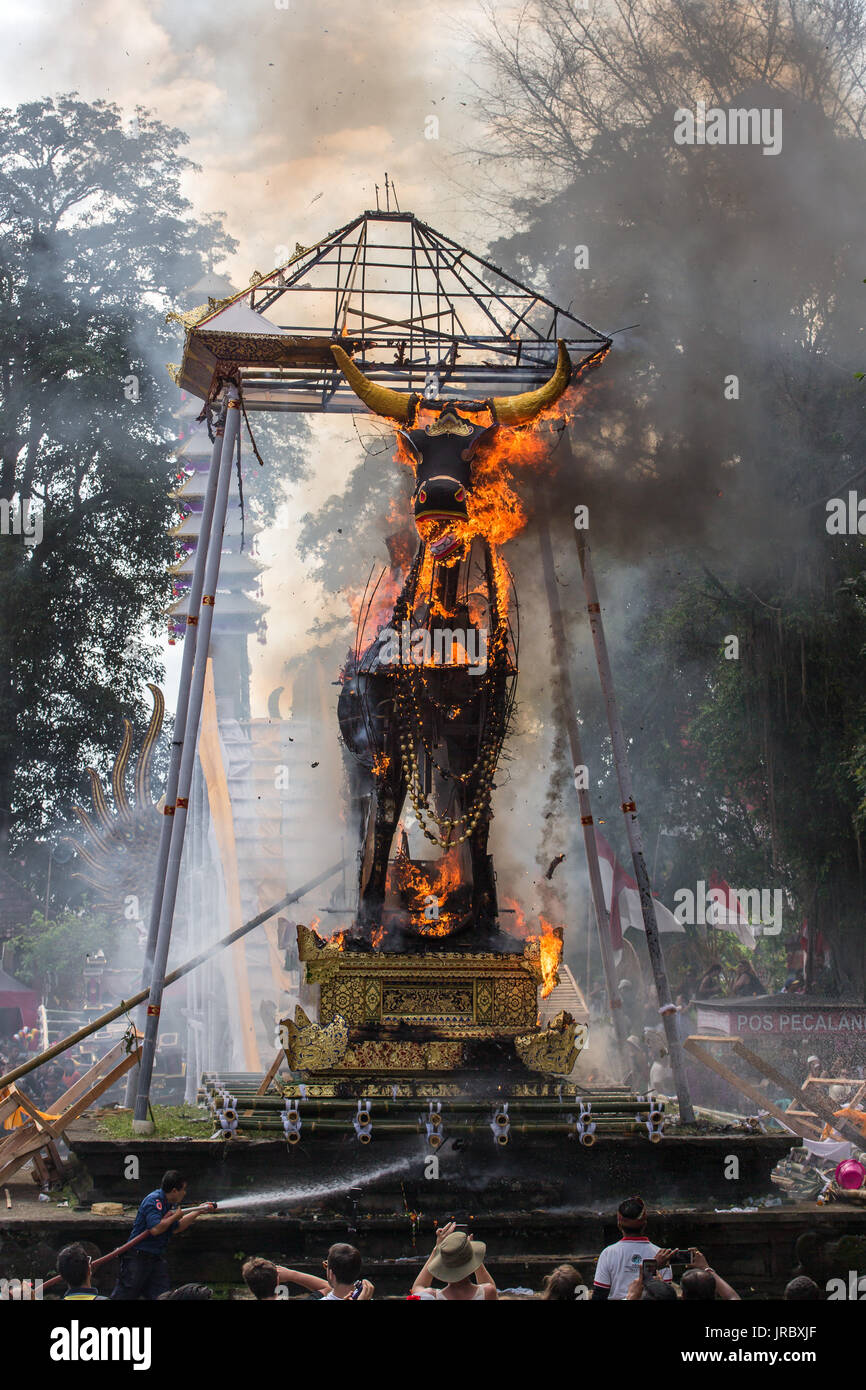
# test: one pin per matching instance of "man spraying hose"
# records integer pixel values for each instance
(144, 1270)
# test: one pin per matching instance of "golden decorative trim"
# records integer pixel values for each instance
(325, 956)
(309, 1047)
(448, 426)
(190, 318)
(556, 1048)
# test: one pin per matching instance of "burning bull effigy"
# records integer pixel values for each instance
(426, 980)
(425, 708)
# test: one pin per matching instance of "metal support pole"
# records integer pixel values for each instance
(561, 665)
(189, 646)
(141, 1123)
(632, 829)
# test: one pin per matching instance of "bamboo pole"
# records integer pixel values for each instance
(319, 1107)
(179, 729)
(126, 1004)
(633, 831)
(141, 1124)
(460, 1127)
(561, 664)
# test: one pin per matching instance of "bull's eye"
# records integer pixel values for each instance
(422, 496)
(459, 494)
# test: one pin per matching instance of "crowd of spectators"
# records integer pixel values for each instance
(631, 1269)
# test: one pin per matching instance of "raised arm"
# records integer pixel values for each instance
(306, 1281)
(425, 1278)
(723, 1289)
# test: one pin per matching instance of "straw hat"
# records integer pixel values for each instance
(457, 1257)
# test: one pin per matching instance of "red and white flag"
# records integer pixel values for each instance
(726, 912)
(621, 891)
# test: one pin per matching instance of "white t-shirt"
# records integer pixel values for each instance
(619, 1264)
(661, 1078)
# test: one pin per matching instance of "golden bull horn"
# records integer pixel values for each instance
(396, 405)
(519, 410)
(507, 410)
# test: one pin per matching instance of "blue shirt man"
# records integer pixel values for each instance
(152, 1213)
(144, 1270)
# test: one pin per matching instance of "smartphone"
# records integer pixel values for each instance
(356, 1292)
(648, 1269)
(681, 1257)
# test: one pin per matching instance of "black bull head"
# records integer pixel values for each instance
(435, 733)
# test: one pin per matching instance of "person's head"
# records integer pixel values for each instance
(802, 1290)
(658, 1291)
(631, 1216)
(813, 1064)
(260, 1277)
(191, 1293)
(73, 1266)
(561, 1283)
(174, 1185)
(456, 1258)
(698, 1285)
(343, 1266)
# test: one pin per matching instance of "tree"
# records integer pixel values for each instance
(710, 444)
(51, 952)
(97, 243)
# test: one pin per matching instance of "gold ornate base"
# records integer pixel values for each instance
(386, 1014)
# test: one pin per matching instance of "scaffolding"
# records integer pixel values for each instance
(416, 310)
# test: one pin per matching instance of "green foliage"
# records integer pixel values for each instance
(97, 243)
(50, 953)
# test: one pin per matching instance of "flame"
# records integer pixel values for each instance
(550, 955)
(372, 611)
(438, 879)
(518, 928)
(549, 944)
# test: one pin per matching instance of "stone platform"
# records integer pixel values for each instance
(552, 1172)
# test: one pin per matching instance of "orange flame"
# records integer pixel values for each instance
(518, 927)
(549, 944)
(550, 954)
(439, 879)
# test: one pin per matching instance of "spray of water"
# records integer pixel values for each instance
(314, 1191)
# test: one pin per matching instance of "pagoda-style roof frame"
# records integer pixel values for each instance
(418, 311)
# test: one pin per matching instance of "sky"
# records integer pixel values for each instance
(294, 110)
